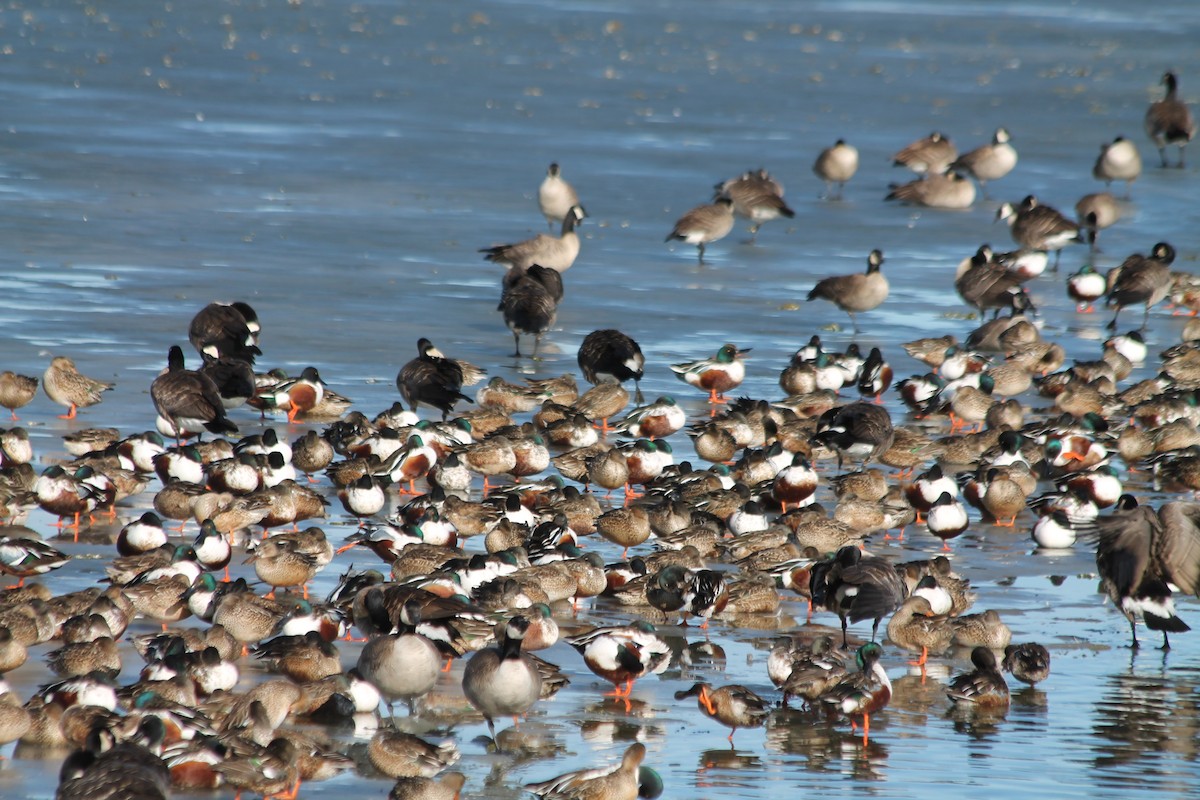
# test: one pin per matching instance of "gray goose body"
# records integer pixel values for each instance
(1169, 121)
(555, 252)
(1137, 558)
(1141, 279)
(188, 400)
(530, 304)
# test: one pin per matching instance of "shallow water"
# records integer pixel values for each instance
(338, 165)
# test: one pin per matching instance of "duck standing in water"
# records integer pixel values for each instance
(863, 693)
(734, 706)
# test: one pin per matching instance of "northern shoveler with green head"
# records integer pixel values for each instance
(716, 375)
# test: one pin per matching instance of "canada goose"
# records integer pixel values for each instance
(226, 330)
(861, 291)
(609, 354)
(982, 687)
(989, 162)
(836, 164)
(935, 190)
(1118, 161)
(1139, 554)
(432, 379)
(1140, 279)
(65, 385)
(502, 680)
(1039, 227)
(556, 197)
(704, 224)
(530, 304)
(859, 430)
(983, 283)
(756, 196)
(1169, 121)
(557, 253)
(188, 400)
(857, 587)
(931, 155)
(1096, 212)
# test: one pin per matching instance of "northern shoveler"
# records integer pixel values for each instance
(65, 385)
(734, 705)
(716, 375)
(628, 781)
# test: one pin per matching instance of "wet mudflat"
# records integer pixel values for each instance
(338, 165)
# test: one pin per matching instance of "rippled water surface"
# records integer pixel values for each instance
(338, 165)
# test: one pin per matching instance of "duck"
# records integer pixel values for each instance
(312, 453)
(553, 252)
(930, 155)
(141, 535)
(503, 680)
(304, 657)
(1028, 662)
(918, 627)
(855, 293)
(984, 629)
(947, 518)
(1035, 226)
(226, 330)
(445, 787)
(717, 375)
(1085, 287)
(734, 705)
(65, 385)
(431, 378)
(1169, 121)
(188, 400)
(295, 396)
(1140, 279)
(627, 526)
(836, 164)
(704, 224)
(621, 654)
(1118, 161)
(530, 304)
(946, 189)
(1139, 558)
(609, 354)
(280, 563)
(862, 693)
(989, 162)
(24, 558)
(628, 781)
(857, 587)
(806, 670)
(270, 771)
(402, 755)
(983, 687)
(556, 196)
(756, 196)
(16, 391)
(656, 420)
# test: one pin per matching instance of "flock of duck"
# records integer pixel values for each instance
(714, 545)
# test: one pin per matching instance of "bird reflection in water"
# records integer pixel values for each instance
(824, 745)
(1141, 716)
